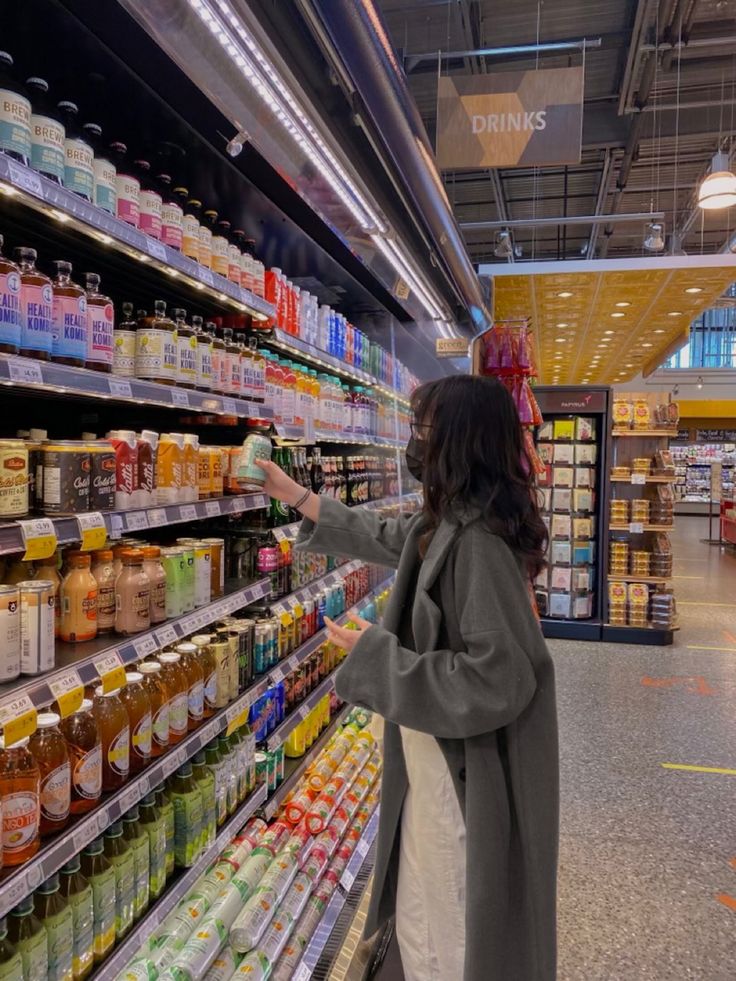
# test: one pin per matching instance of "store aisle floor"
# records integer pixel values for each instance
(648, 854)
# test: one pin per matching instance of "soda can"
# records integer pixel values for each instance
(261, 769)
(260, 647)
(224, 965)
(289, 693)
(253, 919)
(270, 710)
(37, 652)
(196, 956)
(254, 966)
(320, 604)
(280, 690)
(202, 573)
(296, 898)
(275, 937)
(280, 764)
(273, 642)
(271, 770)
(308, 624)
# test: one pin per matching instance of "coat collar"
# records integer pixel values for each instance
(439, 548)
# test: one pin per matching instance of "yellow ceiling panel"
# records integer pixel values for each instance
(608, 325)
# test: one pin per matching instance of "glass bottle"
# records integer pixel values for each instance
(69, 318)
(171, 213)
(205, 781)
(48, 748)
(247, 267)
(186, 372)
(100, 874)
(10, 304)
(53, 911)
(190, 228)
(234, 256)
(157, 577)
(233, 374)
(150, 201)
(195, 681)
(127, 186)
(219, 361)
(84, 745)
(203, 379)
(134, 697)
(216, 765)
(78, 894)
(28, 935)
(100, 326)
(104, 574)
(114, 728)
(47, 132)
(36, 306)
(159, 698)
(15, 114)
(20, 791)
(137, 840)
(241, 775)
(11, 963)
(156, 351)
(221, 247)
(209, 672)
(123, 343)
(132, 594)
(176, 682)
(78, 595)
(105, 190)
(228, 756)
(166, 811)
(154, 826)
(120, 857)
(79, 171)
(188, 816)
(206, 230)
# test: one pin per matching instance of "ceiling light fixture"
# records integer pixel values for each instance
(654, 238)
(609, 331)
(563, 324)
(623, 303)
(658, 331)
(618, 315)
(675, 313)
(564, 294)
(646, 344)
(560, 340)
(718, 189)
(694, 289)
(504, 246)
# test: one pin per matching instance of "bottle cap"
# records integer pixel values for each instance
(149, 667)
(47, 720)
(133, 677)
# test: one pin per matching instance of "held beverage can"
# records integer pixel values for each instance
(36, 626)
(249, 474)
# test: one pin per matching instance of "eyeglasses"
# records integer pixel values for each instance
(419, 429)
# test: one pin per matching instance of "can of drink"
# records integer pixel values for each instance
(288, 693)
(271, 771)
(270, 710)
(261, 647)
(249, 474)
(308, 626)
(320, 604)
(280, 764)
(202, 573)
(261, 768)
(37, 652)
(171, 561)
(280, 699)
(9, 633)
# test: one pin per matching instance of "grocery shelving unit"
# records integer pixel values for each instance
(693, 469)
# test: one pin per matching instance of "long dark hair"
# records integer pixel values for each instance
(475, 457)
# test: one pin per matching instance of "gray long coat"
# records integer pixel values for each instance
(482, 683)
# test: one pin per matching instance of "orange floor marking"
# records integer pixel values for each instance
(726, 900)
(732, 863)
(696, 685)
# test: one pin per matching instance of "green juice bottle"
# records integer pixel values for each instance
(137, 840)
(188, 815)
(28, 936)
(101, 876)
(241, 774)
(11, 963)
(120, 856)
(153, 825)
(78, 893)
(205, 780)
(216, 765)
(56, 915)
(166, 809)
(227, 754)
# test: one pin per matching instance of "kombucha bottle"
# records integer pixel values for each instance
(159, 698)
(176, 682)
(114, 725)
(20, 790)
(138, 706)
(49, 750)
(11, 963)
(85, 756)
(68, 318)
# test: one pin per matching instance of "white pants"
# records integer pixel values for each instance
(430, 903)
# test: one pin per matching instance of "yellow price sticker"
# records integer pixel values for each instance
(39, 538)
(239, 720)
(286, 619)
(111, 671)
(18, 719)
(92, 531)
(298, 610)
(68, 691)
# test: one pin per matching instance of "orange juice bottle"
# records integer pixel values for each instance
(49, 750)
(159, 696)
(138, 706)
(20, 789)
(195, 682)
(85, 756)
(114, 725)
(177, 684)
(168, 470)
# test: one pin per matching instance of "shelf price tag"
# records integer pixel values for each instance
(166, 635)
(188, 512)
(26, 372)
(636, 528)
(120, 387)
(347, 880)
(68, 691)
(206, 276)
(156, 249)
(303, 974)
(18, 719)
(638, 478)
(229, 407)
(212, 509)
(236, 719)
(136, 520)
(39, 538)
(156, 517)
(92, 531)
(111, 671)
(27, 180)
(145, 646)
(179, 397)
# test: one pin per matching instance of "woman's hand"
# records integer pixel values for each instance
(344, 638)
(278, 483)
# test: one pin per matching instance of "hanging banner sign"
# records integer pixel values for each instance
(451, 347)
(510, 119)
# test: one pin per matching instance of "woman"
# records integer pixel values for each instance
(467, 844)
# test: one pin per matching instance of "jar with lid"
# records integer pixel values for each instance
(100, 326)
(219, 360)
(48, 748)
(206, 230)
(47, 132)
(104, 574)
(176, 682)
(48, 569)
(114, 728)
(159, 699)
(78, 595)
(68, 318)
(36, 306)
(127, 186)
(221, 247)
(105, 191)
(195, 683)
(15, 138)
(205, 341)
(120, 856)
(10, 305)
(186, 372)
(132, 594)
(134, 697)
(79, 173)
(156, 351)
(78, 894)
(20, 791)
(208, 664)
(27, 934)
(11, 962)
(190, 224)
(150, 210)
(84, 745)
(55, 914)
(157, 577)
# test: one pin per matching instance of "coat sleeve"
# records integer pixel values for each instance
(457, 694)
(355, 532)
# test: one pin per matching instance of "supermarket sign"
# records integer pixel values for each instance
(510, 119)
(451, 347)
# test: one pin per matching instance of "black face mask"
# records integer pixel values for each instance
(415, 450)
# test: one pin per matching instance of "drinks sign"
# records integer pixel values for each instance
(510, 119)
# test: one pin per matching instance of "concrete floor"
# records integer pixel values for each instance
(648, 854)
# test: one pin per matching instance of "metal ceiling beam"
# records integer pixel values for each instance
(549, 47)
(600, 202)
(479, 226)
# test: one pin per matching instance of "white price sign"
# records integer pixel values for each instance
(212, 509)
(347, 880)
(636, 527)
(145, 646)
(302, 974)
(156, 518)
(120, 388)
(39, 538)
(166, 635)
(206, 276)
(156, 249)
(178, 397)
(116, 525)
(136, 520)
(92, 531)
(188, 512)
(84, 835)
(27, 180)
(229, 407)
(638, 478)
(27, 372)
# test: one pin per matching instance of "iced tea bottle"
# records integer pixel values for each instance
(55, 914)
(100, 874)
(152, 822)
(68, 318)
(20, 791)
(48, 748)
(84, 745)
(138, 706)
(114, 726)
(166, 812)
(207, 662)
(205, 780)
(27, 934)
(120, 856)
(137, 840)
(78, 894)
(176, 682)
(159, 698)
(188, 816)
(11, 963)
(195, 682)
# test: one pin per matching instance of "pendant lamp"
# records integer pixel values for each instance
(718, 189)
